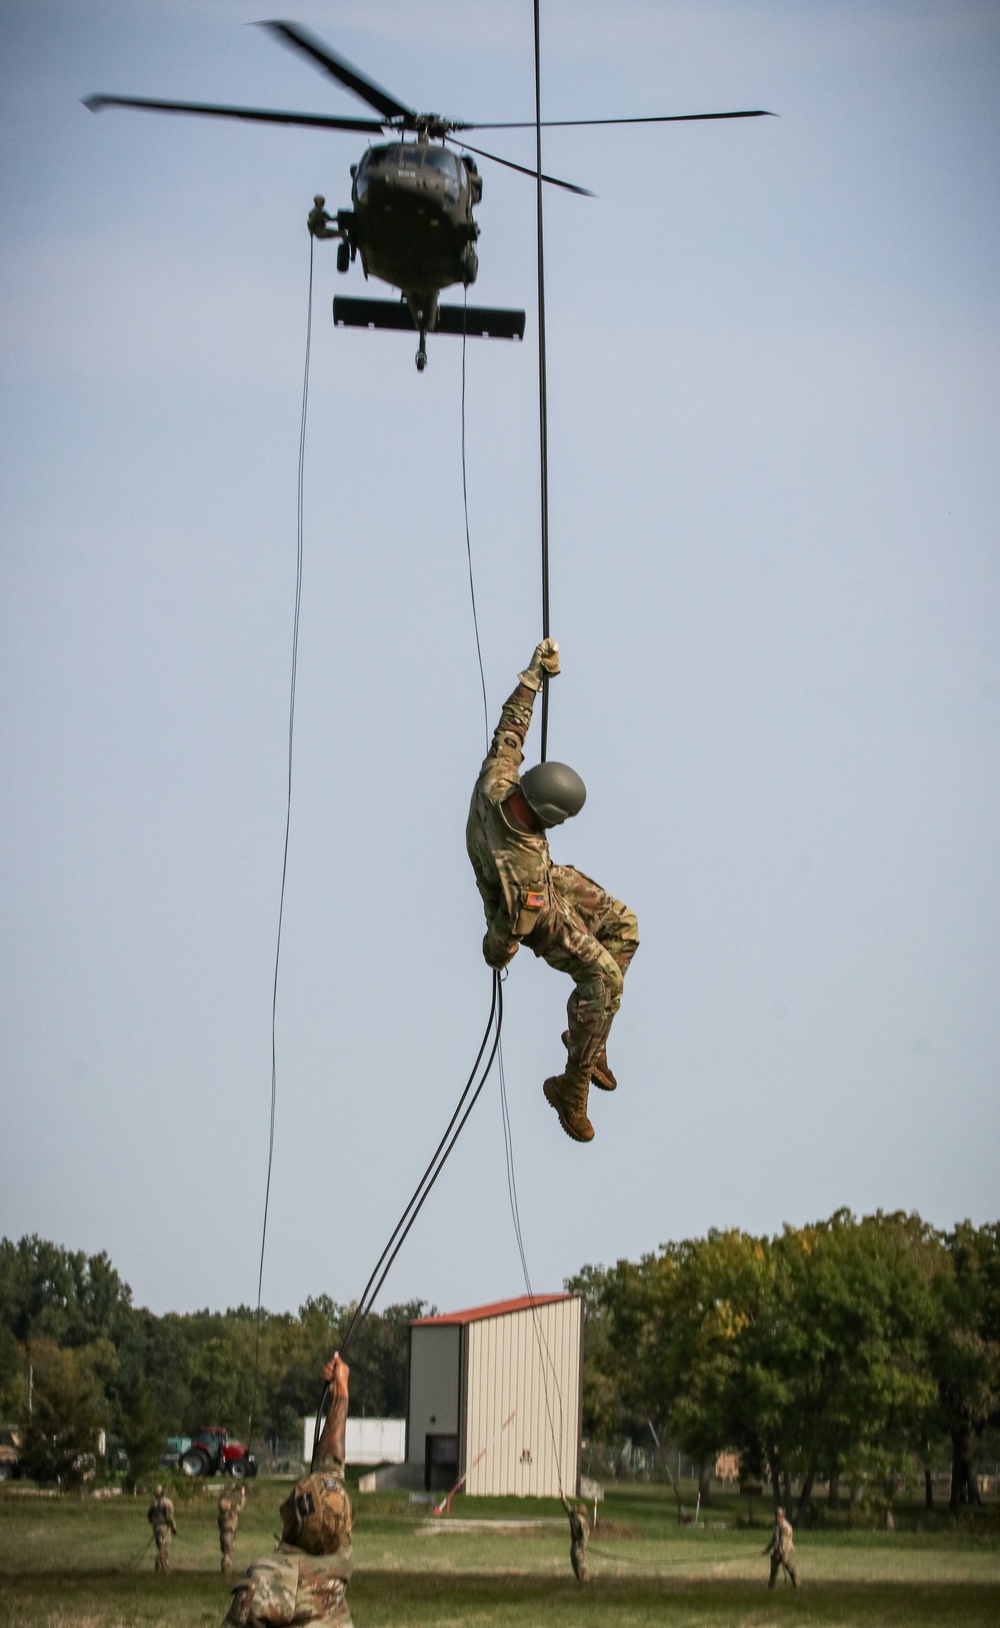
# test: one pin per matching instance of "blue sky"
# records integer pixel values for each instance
(774, 501)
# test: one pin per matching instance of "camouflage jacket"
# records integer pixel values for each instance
(229, 1516)
(782, 1540)
(161, 1513)
(579, 1530)
(291, 1587)
(512, 866)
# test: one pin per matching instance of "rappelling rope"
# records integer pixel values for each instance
(543, 437)
(422, 1190)
(468, 543)
(504, 1109)
(288, 820)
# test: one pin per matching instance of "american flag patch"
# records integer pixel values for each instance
(534, 901)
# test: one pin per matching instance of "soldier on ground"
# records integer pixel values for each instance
(305, 1580)
(579, 1532)
(161, 1518)
(230, 1509)
(780, 1550)
(560, 914)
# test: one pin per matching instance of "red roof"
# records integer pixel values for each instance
(499, 1308)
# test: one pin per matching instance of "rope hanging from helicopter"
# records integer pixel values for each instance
(299, 538)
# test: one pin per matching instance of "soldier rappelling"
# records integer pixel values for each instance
(560, 914)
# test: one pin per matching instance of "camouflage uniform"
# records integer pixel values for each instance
(229, 1520)
(780, 1550)
(579, 1532)
(560, 914)
(306, 1581)
(291, 1586)
(319, 221)
(161, 1517)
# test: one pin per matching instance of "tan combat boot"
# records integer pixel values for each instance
(600, 1073)
(567, 1094)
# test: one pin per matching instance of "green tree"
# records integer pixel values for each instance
(143, 1433)
(966, 1350)
(68, 1411)
(69, 1298)
(857, 1314)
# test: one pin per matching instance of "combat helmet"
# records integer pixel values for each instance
(316, 1516)
(554, 792)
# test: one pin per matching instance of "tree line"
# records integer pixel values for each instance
(91, 1360)
(842, 1351)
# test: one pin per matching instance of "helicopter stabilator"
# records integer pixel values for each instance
(412, 223)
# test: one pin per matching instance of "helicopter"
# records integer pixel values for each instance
(412, 224)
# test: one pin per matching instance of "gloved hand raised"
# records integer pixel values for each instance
(498, 949)
(545, 659)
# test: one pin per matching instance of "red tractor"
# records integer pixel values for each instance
(212, 1453)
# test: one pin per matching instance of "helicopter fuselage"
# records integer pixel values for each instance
(412, 223)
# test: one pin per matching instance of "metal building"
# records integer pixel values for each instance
(495, 1397)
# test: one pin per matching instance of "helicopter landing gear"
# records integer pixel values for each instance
(343, 256)
(422, 353)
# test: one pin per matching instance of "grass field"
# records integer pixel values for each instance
(67, 1563)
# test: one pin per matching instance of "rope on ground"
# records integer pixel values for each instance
(288, 821)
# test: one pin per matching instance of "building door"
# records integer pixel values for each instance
(440, 1463)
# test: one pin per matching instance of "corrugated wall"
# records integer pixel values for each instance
(434, 1387)
(507, 1362)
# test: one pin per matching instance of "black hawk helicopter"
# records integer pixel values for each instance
(412, 222)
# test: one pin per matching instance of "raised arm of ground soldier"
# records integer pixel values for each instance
(506, 749)
(332, 1448)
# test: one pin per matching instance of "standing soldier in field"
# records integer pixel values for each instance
(305, 1580)
(230, 1510)
(161, 1518)
(579, 1532)
(560, 914)
(780, 1550)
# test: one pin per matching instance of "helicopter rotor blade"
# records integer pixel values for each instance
(298, 39)
(256, 115)
(508, 164)
(654, 118)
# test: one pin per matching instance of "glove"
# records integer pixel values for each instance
(545, 659)
(497, 950)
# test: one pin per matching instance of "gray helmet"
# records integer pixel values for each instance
(554, 791)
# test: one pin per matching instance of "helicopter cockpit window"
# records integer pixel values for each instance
(375, 159)
(446, 165)
(408, 159)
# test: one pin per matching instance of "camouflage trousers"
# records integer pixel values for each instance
(162, 1536)
(291, 1587)
(227, 1543)
(578, 1560)
(593, 937)
(778, 1563)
